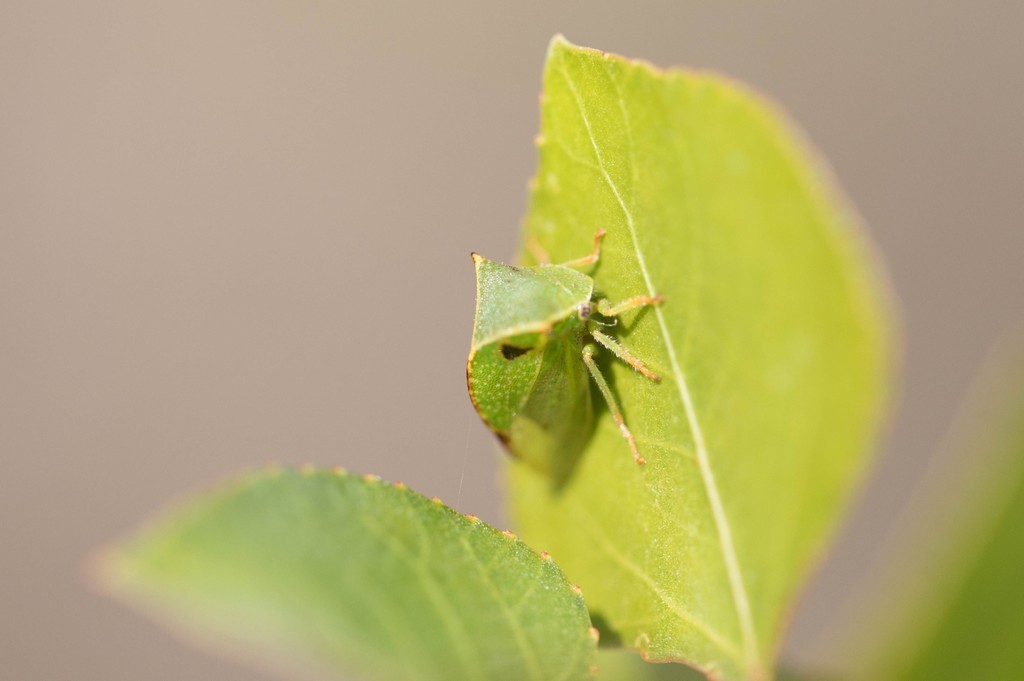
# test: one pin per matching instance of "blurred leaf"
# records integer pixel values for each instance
(625, 665)
(772, 343)
(956, 609)
(332, 571)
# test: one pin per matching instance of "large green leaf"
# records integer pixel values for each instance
(953, 609)
(772, 342)
(329, 571)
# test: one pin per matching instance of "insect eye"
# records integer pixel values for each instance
(511, 352)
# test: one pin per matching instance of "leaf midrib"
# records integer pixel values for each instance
(729, 556)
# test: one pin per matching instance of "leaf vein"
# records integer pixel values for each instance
(453, 624)
(529, 656)
(572, 155)
(590, 525)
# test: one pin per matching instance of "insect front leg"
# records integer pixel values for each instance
(613, 406)
(606, 308)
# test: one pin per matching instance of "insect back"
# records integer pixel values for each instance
(533, 345)
(524, 371)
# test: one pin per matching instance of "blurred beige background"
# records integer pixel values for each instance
(239, 232)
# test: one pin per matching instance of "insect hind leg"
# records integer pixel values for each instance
(536, 250)
(613, 406)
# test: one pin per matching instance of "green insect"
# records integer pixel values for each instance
(533, 346)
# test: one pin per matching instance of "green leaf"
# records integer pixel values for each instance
(329, 571)
(953, 608)
(624, 665)
(616, 664)
(772, 343)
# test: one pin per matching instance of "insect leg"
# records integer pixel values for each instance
(624, 354)
(592, 258)
(613, 406)
(537, 251)
(606, 308)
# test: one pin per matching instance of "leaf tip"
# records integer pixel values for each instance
(371, 478)
(339, 471)
(437, 500)
(509, 535)
(104, 569)
(558, 40)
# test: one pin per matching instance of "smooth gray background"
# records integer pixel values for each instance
(239, 232)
